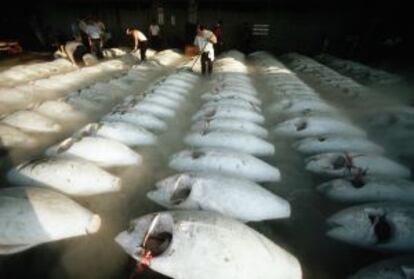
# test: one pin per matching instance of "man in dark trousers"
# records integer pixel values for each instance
(94, 38)
(139, 40)
(218, 31)
(75, 52)
(154, 35)
(204, 41)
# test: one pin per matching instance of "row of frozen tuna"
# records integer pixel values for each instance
(25, 73)
(18, 129)
(347, 87)
(384, 226)
(34, 215)
(360, 72)
(31, 94)
(222, 159)
(393, 126)
(382, 185)
(232, 62)
(107, 143)
(216, 184)
(387, 119)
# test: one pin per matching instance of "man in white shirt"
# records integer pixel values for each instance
(139, 40)
(95, 38)
(204, 41)
(154, 35)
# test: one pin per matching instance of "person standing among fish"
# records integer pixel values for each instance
(154, 35)
(218, 32)
(204, 41)
(94, 38)
(139, 40)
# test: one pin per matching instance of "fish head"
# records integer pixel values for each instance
(317, 162)
(291, 126)
(88, 130)
(201, 125)
(173, 191)
(150, 233)
(339, 164)
(62, 146)
(286, 104)
(342, 189)
(362, 226)
(312, 143)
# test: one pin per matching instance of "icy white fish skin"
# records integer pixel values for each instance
(232, 95)
(72, 177)
(241, 88)
(395, 268)
(379, 226)
(154, 109)
(172, 95)
(213, 245)
(299, 105)
(332, 143)
(232, 102)
(316, 126)
(164, 100)
(30, 216)
(237, 141)
(174, 82)
(18, 97)
(58, 110)
(11, 137)
(31, 121)
(146, 120)
(126, 133)
(237, 198)
(83, 105)
(401, 116)
(101, 151)
(221, 161)
(233, 112)
(369, 188)
(230, 124)
(280, 94)
(336, 164)
(222, 105)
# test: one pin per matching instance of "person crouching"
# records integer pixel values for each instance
(140, 40)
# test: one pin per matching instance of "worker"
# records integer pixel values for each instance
(204, 40)
(103, 31)
(218, 31)
(94, 38)
(140, 40)
(76, 31)
(246, 35)
(10, 47)
(154, 35)
(75, 51)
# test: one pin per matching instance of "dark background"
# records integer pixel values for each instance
(300, 26)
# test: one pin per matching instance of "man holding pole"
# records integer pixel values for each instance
(204, 41)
